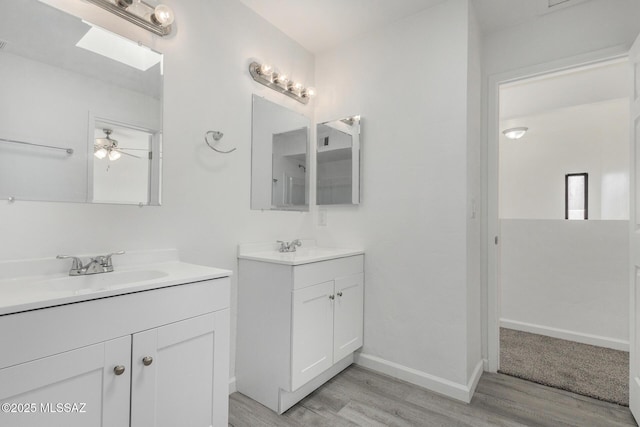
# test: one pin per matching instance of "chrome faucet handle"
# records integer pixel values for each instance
(283, 246)
(106, 259)
(76, 264)
(296, 242)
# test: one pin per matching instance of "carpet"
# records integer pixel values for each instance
(597, 372)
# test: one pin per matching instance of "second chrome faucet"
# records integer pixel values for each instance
(96, 265)
(289, 246)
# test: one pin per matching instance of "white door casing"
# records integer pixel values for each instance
(634, 230)
(491, 228)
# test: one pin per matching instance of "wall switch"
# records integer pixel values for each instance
(322, 217)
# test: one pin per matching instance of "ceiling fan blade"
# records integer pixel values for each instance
(126, 154)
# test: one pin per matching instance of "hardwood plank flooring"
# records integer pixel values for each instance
(361, 397)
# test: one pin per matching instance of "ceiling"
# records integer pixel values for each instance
(592, 84)
(319, 25)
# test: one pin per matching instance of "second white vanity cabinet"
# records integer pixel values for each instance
(299, 322)
(326, 326)
(158, 357)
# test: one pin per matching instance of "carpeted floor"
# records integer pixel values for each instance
(592, 371)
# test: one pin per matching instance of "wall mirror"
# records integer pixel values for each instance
(279, 157)
(63, 82)
(338, 162)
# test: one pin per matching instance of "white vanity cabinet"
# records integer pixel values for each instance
(326, 326)
(153, 358)
(298, 325)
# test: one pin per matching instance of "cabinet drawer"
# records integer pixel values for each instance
(323, 271)
(40, 333)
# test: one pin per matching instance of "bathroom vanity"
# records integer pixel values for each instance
(146, 345)
(300, 318)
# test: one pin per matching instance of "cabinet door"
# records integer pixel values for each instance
(348, 316)
(172, 380)
(312, 332)
(74, 388)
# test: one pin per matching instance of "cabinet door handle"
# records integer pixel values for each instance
(118, 370)
(332, 297)
(147, 360)
(339, 294)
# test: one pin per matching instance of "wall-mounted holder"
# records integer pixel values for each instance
(216, 136)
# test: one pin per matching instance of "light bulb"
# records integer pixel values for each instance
(114, 155)
(163, 15)
(282, 79)
(309, 92)
(295, 87)
(265, 70)
(100, 153)
(515, 133)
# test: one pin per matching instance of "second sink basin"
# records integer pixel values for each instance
(304, 255)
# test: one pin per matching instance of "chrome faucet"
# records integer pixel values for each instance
(289, 246)
(96, 265)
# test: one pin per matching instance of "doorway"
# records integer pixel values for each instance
(561, 214)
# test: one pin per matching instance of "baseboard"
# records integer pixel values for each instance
(485, 365)
(423, 379)
(232, 385)
(564, 334)
(475, 378)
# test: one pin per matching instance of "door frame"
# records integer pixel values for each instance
(491, 306)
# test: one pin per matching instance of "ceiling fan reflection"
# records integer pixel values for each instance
(107, 147)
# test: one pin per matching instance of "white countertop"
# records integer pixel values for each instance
(306, 254)
(30, 292)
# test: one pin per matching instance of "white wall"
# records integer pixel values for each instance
(415, 193)
(592, 138)
(567, 279)
(205, 210)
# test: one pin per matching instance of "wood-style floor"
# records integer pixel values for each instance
(360, 397)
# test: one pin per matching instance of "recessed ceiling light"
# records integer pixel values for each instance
(119, 49)
(515, 133)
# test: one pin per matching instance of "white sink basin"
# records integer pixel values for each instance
(21, 292)
(303, 255)
(93, 282)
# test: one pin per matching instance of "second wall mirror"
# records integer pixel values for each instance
(338, 162)
(279, 157)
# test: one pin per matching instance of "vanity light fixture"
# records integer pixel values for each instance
(156, 19)
(280, 82)
(515, 133)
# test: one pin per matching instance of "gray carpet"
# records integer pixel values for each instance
(592, 371)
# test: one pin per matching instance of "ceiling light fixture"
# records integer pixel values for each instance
(156, 19)
(108, 147)
(515, 133)
(280, 82)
